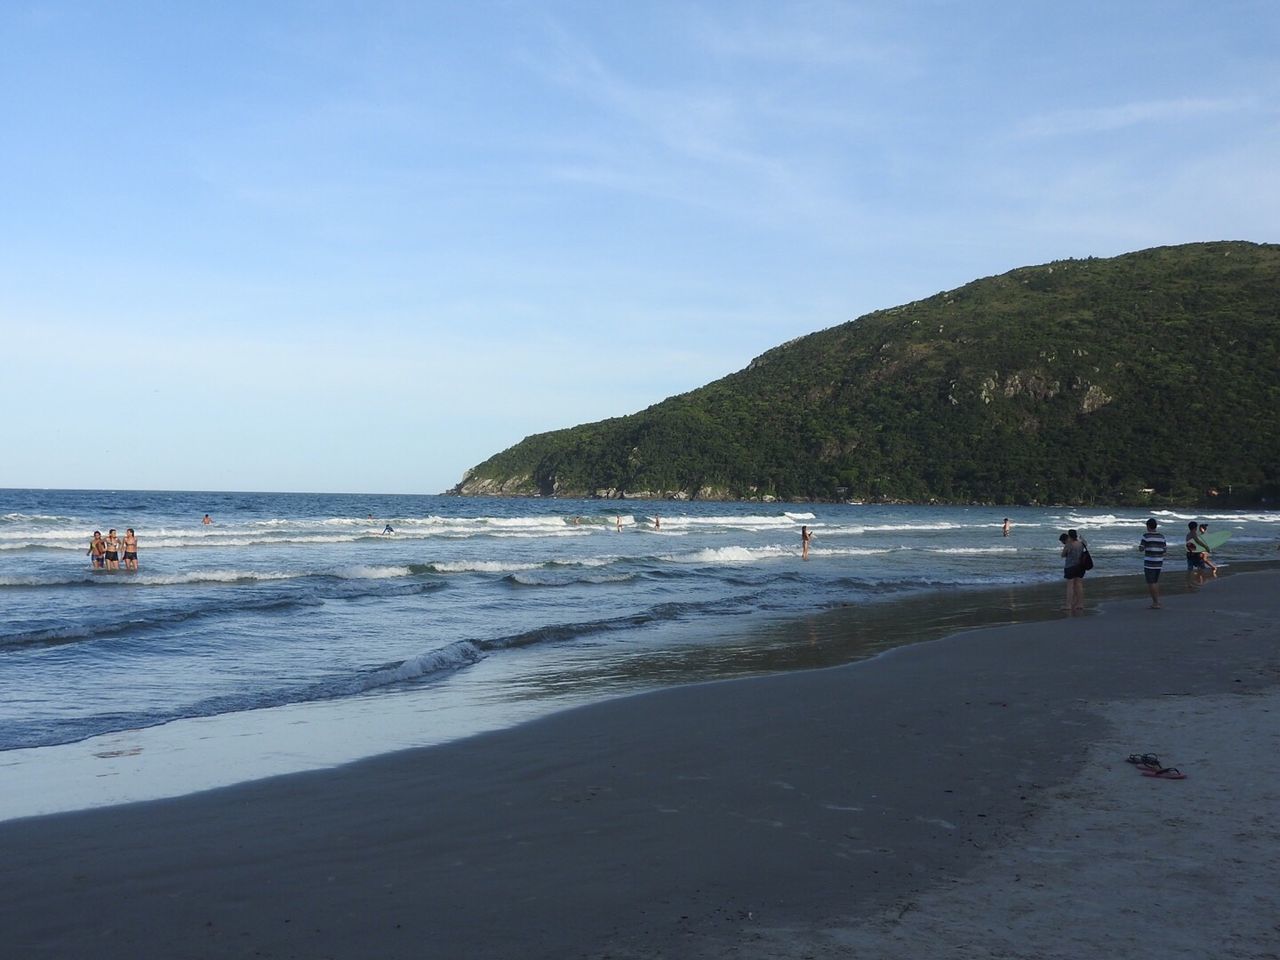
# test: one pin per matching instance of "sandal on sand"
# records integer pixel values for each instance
(1144, 760)
(1165, 773)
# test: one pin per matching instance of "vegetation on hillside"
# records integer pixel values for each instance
(1153, 376)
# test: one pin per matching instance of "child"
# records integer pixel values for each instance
(98, 550)
(1204, 528)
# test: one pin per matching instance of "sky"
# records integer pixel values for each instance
(341, 246)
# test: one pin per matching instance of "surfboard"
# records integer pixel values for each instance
(1215, 538)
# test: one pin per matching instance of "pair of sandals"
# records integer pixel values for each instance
(1152, 767)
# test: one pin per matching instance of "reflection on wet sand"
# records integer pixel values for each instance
(828, 638)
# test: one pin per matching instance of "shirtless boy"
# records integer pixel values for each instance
(98, 550)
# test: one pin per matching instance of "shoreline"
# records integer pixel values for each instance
(694, 821)
(188, 756)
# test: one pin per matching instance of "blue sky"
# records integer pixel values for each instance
(363, 246)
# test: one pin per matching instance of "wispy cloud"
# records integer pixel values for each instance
(696, 140)
(814, 34)
(687, 119)
(1091, 120)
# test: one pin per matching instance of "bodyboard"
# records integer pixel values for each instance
(1215, 539)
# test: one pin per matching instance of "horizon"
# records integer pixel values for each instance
(264, 250)
(1152, 509)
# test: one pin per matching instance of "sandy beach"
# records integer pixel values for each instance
(961, 798)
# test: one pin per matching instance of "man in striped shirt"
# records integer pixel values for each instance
(1153, 548)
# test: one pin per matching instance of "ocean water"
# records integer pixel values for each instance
(298, 610)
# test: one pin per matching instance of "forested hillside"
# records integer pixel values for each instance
(1153, 376)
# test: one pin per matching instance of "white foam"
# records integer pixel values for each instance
(597, 561)
(1076, 521)
(212, 576)
(960, 551)
(847, 551)
(731, 523)
(455, 656)
(857, 529)
(523, 521)
(481, 566)
(730, 555)
(372, 573)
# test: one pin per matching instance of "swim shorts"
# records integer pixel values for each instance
(130, 556)
(1153, 574)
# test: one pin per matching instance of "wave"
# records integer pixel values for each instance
(1080, 522)
(1138, 521)
(140, 623)
(847, 551)
(960, 551)
(730, 555)
(373, 573)
(86, 576)
(533, 580)
(90, 577)
(828, 529)
(865, 587)
(447, 659)
(516, 566)
(198, 576)
(1220, 516)
(281, 532)
(450, 658)
(153, 541)
(560, 632)
(480, 566)
(737, 555)
(320, 533)
(77, 542)
(34, 518)
(748, 523)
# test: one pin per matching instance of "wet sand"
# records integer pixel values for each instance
(966, 797)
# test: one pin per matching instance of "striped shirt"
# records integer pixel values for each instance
(1153, 548)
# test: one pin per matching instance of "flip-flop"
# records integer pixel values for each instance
(1144, 760)
(1165, 773)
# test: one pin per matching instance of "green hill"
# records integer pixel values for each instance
(1150, 376)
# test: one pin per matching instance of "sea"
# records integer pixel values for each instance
(297, 631)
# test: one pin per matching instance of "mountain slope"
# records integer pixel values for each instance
(1074, 381)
